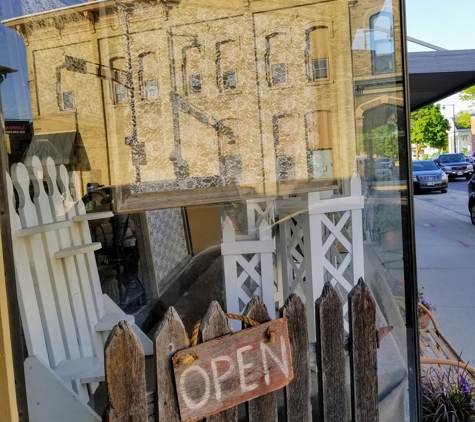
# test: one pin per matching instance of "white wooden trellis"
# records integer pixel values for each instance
(308, 238)
(65, 317)
(249, 215)
(248, 269)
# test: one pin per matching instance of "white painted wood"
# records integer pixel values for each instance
(62, 275)
(242, 280)
(313, 267)
(42, 228)
(267, 268)
(230, 274)
(65, 317)
(28, 304)
(357, 231)
(45, 295)
(242, 247)
(113, 309)
(108, 322)
(310, 221)
(50, 207)
(77, 250)
(335, 204)
(76, 208)
(93, 216)
(50, 398)
(74, 369)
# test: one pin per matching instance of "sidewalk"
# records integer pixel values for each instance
(445, 242)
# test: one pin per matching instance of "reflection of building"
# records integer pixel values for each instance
(377, 70)
(463, 139)
(256, 89)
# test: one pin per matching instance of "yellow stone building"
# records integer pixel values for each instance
(203, 94)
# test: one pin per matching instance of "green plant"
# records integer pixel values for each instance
(447, 395)
(387, 219)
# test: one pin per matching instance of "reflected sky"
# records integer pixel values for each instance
(15, 89)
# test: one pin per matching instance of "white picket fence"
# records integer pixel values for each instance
(319, 239)
(66, 319)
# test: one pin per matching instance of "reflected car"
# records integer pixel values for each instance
(471, 198)
(454, 165)
(426, 175)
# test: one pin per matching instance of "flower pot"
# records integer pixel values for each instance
(424, 321)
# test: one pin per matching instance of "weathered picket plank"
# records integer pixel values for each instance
(297, 393)
(226, 371)
(216, 324)
(169, 338)
(363, 354)
(264, 408)
(125, 383)
(330, 356)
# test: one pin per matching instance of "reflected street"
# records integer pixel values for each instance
(445, 240)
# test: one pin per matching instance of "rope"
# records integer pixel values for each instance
(190, 358)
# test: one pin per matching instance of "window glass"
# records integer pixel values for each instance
(148, 73)
(382, 40)
(317, 52)
(184, 131)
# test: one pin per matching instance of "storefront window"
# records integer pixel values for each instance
(187, 126)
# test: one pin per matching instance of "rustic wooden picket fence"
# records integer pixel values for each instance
(125, 363)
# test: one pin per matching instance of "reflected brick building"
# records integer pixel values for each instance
(193, 95)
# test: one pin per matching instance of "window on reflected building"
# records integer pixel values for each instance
(382, 43)
(276, 70)
(147, 76)
(191, 65)
(286, 129)
(317, 52)
(196, 83)
(319, 143)
(68, 100)
(229, 80)
(118, 67)
(227, 58)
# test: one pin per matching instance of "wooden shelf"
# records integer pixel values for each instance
(93, 216)
(43, 228)
(73, 369)
(78, 250)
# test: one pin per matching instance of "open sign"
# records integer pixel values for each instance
(232, 369)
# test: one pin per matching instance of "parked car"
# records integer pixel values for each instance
(426, 175)
(383, 168)
(471, 185)
(471, 198)
(387, 162)
(471, 205)
(454, 165)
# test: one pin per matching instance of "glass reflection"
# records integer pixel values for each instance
(202, 125)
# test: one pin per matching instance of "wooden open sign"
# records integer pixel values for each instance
(232, 369)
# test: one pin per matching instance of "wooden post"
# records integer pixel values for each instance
(297, 393)
(264, 408)
(363, 354)
(8, 406)
(169, 338)
(125, 385)
(216, 324)
(357, 230)
(330, 356)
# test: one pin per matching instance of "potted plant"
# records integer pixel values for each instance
(387, 223)
(429, 304)
(447, 395)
